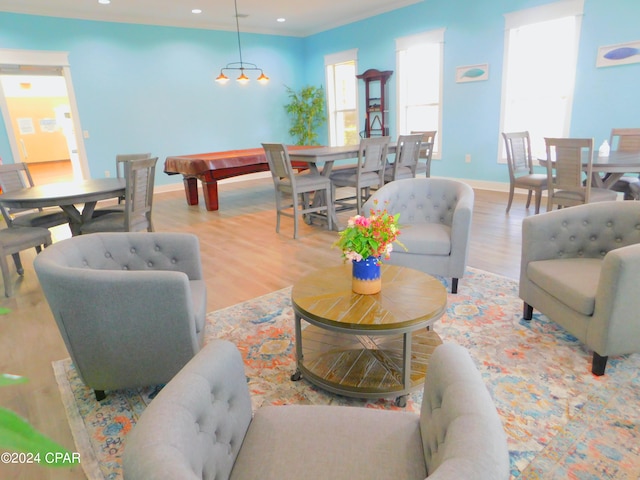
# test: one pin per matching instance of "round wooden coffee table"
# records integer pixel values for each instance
(367, 346)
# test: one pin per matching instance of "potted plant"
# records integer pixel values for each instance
(306, 109)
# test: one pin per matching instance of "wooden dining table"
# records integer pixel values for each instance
(68, 196)
(606, 171)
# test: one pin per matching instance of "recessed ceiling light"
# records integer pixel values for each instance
(281, 19)
(196, 10)
(104, 2)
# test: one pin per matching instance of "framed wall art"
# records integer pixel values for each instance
(620, 54)
(472, 73)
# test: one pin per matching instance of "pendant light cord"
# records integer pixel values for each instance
(235, 2)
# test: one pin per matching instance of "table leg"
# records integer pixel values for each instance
(75, 217)
(297, 375)
(210, 190)
(191, 190)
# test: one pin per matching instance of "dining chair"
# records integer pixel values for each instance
(521, 174)
(291, 188)
(121, 159)
(12, 241)
(16, 176)
(406, 161)
(426, 151)
(367, 175)
(626, 140)
(136, 215)
(565, 173)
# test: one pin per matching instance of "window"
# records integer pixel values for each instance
(419, 61)
(342, 98)
(541, 48)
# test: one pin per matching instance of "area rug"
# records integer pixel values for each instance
(561, 421)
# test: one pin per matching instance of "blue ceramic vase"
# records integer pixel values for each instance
(366, 278)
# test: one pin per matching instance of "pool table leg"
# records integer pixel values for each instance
(191, 190)
(210, 190)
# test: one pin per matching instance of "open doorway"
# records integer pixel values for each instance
(40, 115)
(38, 106)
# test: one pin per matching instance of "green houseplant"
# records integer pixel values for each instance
(17, 435)
(306, 109)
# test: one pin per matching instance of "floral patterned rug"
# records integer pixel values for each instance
(561, 421)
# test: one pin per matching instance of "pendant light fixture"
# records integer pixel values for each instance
(241, 65)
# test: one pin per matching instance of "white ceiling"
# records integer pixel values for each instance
(303, 17)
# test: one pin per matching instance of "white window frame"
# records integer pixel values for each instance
(405, 43)
(543, 13)
(330, 61)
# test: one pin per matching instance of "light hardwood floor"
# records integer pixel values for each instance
(243, 257)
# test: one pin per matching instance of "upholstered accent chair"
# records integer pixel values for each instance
(435, 219)
(581, 268)
(200, 426)
(130, 306)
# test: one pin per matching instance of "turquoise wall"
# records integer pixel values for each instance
(605, 98)
(149, 88)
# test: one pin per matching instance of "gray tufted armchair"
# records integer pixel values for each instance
(435, 216)
(130, 306)
(581, 268)
(200, 426)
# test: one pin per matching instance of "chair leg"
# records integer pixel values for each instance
(598, 364)
(100, 395)
(527, 311)
(538, 200)
(18, 262)
(329, 203)
(511, 189)
(6, 277)
(295, 216)
(454, 285)
(278, 210)
(528, 198)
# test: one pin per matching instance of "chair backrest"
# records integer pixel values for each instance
(518, 149)
(121, 158)
(568, 155)
(139, 177)
(13, 177)
(407, 153)
(372, 157)
(625, 139)
(426, 149)
(279, 164)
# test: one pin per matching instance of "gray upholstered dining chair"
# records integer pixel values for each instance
(121, 160)
(368, 174)
(580, 267)
(435, 220)
(521, 174)
(15, 239)
(201, 426)
(130, 307)
(406, 161)
(137, 213)
(16, 176)
(626, 140)
(426, 151)
(293, 190)
(565, 181)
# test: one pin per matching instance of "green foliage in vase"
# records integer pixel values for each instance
(307, 113)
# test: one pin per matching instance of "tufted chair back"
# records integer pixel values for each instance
(462, 435)
(435, 219)
(200, 426)
(195, 427)
(124, 300)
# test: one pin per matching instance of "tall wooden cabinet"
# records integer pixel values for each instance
(376, 102)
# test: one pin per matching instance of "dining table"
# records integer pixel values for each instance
(77, 199)
(607, 170)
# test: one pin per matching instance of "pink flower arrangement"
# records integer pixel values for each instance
(369, 236)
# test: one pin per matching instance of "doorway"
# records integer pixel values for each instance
(40, 115)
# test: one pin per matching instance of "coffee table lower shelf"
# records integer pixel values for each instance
(364, 366)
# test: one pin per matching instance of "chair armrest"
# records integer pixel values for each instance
(615, 327)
